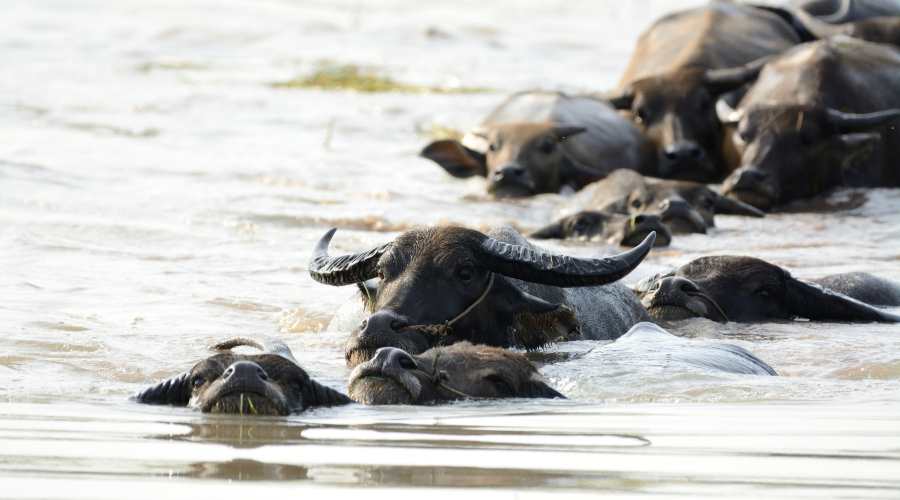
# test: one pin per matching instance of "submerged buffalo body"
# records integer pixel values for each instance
(729, 288)
(270, 383)
(682, 206)
(460, 371)
(647, 347)
(677, 72)
(822, 115)
(443, 285)
(541, 142)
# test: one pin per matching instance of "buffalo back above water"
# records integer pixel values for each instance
(675, 75)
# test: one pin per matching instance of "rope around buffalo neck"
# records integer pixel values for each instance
(440, 378)
(446, 329)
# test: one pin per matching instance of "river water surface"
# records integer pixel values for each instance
(158, 193)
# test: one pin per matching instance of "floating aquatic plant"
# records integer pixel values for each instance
(351, 77)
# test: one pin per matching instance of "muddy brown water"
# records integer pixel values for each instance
(157, 194)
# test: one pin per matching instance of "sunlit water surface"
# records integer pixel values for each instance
(157, 194)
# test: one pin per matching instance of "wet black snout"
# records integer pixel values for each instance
(752, 185)
(639, 226)
(679, 156)
(244, 371)
(511, 173)
(675, 285)
(382, 321)
(681, 216)
(390, 359)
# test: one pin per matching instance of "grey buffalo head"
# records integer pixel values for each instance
(429, 277)
(684, 206)
(519, 159)
(613, 228)
(460, 371)
(270, 383)
(745, 289)
(794, 152)
(677, 113)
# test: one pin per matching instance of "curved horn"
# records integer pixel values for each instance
(174, 391)
(266, 345)
(527, 264)
(852, 122)
(726, 113)
(345, 269)
(719, 81)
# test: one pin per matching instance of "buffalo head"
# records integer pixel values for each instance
(794, 152)
(270, 383)
(520, 159)
(677, 113)
(446, 284)
(460, 371)
(744, 289)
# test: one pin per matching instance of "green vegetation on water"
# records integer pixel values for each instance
(350, 77)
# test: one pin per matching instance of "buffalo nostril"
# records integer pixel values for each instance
(670, 154)
(363, 324)
(396, 325)
(640, 219)
(688, 287)
(228, 372)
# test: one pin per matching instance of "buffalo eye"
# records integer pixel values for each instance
(580, 225)
(641, 115)
(465, 273)
(500, 384)
(636, 203)
(547, 146)
(197, 381)
(493, 147)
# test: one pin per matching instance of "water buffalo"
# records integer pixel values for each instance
(882, 27)
(611, 227)
(460, 371)
(745, 289)
(270, 383)
(447, 284)
(822, 115)
(651, 352)
(683, 206)
(845, 11)
(541, 142)
(680, 65)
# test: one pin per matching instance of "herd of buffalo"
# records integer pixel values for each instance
(774, 106)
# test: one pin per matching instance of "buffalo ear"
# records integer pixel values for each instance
(816, 303)
(623, 100)
(456, 159)
(730, 206)
(720, 81)
(174, 391)
(535, 321)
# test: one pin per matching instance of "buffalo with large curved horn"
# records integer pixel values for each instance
(515, 261)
